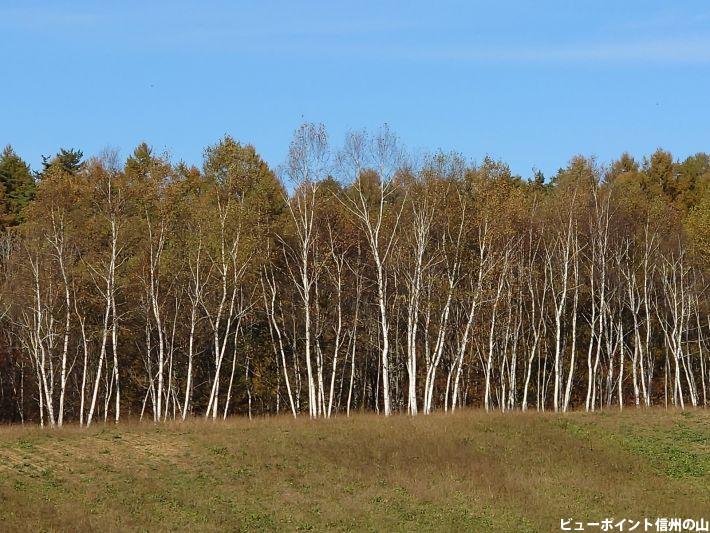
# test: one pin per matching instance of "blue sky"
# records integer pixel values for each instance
(531, 83)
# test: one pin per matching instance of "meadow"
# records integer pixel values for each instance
(467, 471)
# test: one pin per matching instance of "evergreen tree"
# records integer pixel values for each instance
(18, 186)
(538, 179)
(70, 161)
(5, 216)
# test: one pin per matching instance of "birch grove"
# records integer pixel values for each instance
(359, 277)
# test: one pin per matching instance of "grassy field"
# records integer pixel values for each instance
(470, 471)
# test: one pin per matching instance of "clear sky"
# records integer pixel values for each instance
(530, 82)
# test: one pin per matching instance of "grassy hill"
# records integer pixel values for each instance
(469, 471)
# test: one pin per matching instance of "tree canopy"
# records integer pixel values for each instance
(351, 277)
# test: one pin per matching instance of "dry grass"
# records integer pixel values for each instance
(469, 471)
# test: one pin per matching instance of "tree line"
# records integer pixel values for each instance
(356, 277)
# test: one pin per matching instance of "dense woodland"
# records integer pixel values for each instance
(353, 277)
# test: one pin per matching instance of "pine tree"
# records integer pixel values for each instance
(18, 186)
(70, 161)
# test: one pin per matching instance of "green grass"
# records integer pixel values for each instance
(469, 471)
